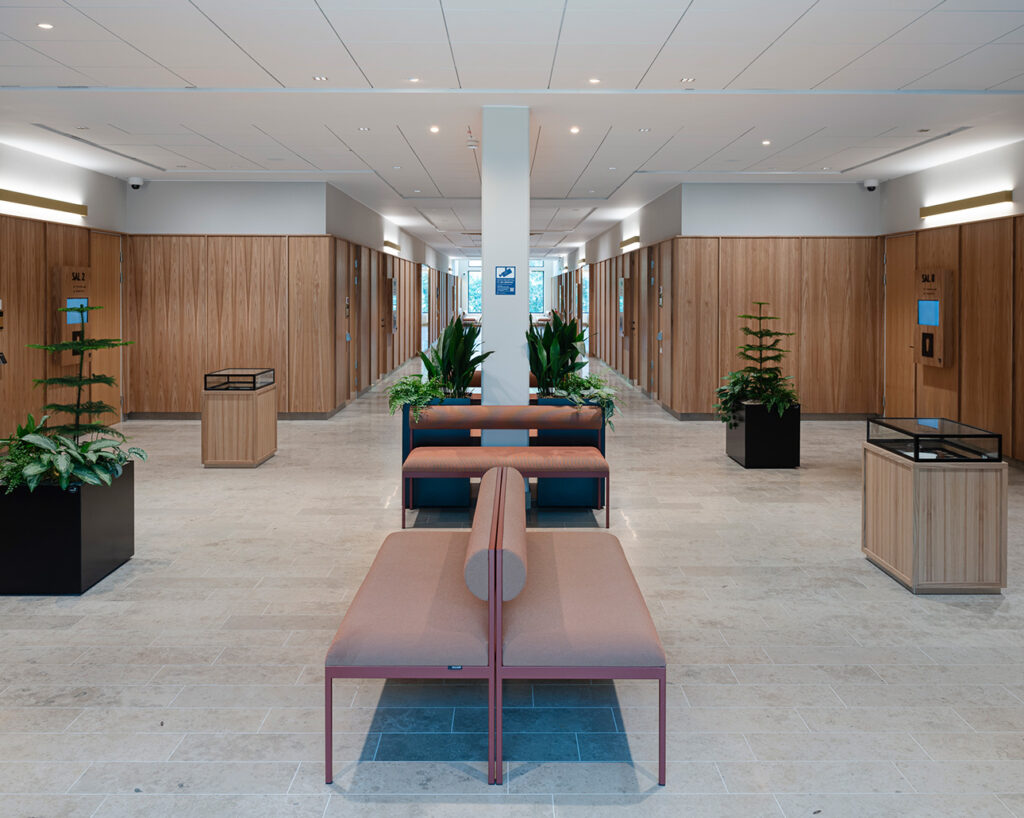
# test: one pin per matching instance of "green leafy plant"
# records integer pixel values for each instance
(761, 380)
(414, 392)
(451, 361)
(589, 390)
(555, 349)
(68, 454)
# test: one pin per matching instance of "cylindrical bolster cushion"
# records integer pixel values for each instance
(513, 540)
(475, 569)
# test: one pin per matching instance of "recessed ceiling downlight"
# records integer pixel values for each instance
(574, 129)
(363, 128)
(44, 26)
(320, 78)
(594, 81)
(766, 142)
(414, 79)
(644, 130)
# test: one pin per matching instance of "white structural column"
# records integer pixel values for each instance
(505, 223)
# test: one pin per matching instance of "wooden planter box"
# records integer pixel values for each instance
(935, 527)
(64, 542)
(763, 440)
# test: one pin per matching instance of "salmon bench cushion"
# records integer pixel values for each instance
(533, 461)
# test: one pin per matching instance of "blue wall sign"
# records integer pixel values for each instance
(504, 280)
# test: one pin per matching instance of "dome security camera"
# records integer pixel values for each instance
(870, 185)
(135, 182)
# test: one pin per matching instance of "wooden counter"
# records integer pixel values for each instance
(239, 427)
(934, 526)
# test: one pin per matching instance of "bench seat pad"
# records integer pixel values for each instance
(581, 607)
(414, 608)
(528, 460)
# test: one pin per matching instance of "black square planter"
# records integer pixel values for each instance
(64, 542)
(763, 440)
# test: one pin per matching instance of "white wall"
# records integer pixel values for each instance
(999, 169)
(656, 221)
(246, 208)
(37, 175)
(779, 209)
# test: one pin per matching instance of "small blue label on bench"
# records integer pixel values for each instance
(454, 667)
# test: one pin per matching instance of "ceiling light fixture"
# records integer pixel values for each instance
(611, 168)
(414, 79)
(644, 130)
(417, 191)
(594, 81)
(627, 244)
(591, 191)
(363, 128)
(687, 79)
(396, 167)
(320, 78)
(967, 204)
(434, 129)
(766, 142)
(28, 199)
(44, 26)
(81, 127)
(826, 168)
(390, 245)
(574, 129)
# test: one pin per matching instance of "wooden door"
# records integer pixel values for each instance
(665, 327)
(900, 369)
(365, 377)
(651, 321)
(342, 310)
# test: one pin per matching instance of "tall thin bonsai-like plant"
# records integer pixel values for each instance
(761, 380)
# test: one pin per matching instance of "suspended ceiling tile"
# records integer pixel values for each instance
(242, 76)
(989, 66)
(41, 76)
(506, 25)
(575, 65)
(849, 24)
(960, 27)
(624, 27)
(22, 23)
(410, 25)
(712, 63)
(797, 65)
(90, 53)
(493, 65)
(390, 65)
(17, 54)
(891, 66)
(151, 76)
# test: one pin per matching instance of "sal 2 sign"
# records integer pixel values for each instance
(504, 280)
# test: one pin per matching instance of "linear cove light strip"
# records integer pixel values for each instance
(967, 204)
(626, 242)
(15, 197)
(391, 245)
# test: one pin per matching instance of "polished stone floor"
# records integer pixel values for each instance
(802, 680)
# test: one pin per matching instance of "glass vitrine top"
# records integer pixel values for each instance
(934, 439)
(930, 427)
(239, 378)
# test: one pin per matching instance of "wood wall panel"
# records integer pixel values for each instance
(759, 269)
(986, 326)
(247, 306)
(311, 324)
(342, 260)
(105, 291)
(840, 331)
(938, 388)
(1017, 447)
(23, 291)
(900, 389)
(695, 321)
(166, 285)
(666, 250)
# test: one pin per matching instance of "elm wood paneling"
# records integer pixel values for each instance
(66, 246)
(938, 388)
(759, 269)
(665, 381)
(840, 331)
(365, 276)
(373, 275)
(695, 322)
(1018, 345)
(166, 287)
(342, 260)
(986, 326)
(311, 324)
(23, 291)
(247, 306)
(105, 291)
(900, 316)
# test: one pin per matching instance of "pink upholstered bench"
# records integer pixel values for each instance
(529, 461)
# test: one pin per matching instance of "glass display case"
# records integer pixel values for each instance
(238, 379)
(935, 439)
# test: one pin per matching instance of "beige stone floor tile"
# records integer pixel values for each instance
(973, 746)
(805, 674)
(67, 695)
(814, 776)
(396, 778)
(441, 806)
(614, 778)
(1014, 802)
(246, 695)
(667, 805)
(49, 806)
(993, 719)
(230, 674)
(836, 746)
(951, 674)
(82, 673)
(762, 695)
(715, 719)
(247, 778)
(884, 719)
(271, 747)
(929, 695)
(39, 777)
(36, 719)
(88, 746)
(144, 805)
(965, 776)
(893, 806)
(165, 719)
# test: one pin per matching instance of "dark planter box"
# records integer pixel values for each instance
(64, 542)
(763, 440)
(568, 492)
(437, 492)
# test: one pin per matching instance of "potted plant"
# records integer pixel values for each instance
(67, 495)
(556, 349)
(449, 368)
(758, 404)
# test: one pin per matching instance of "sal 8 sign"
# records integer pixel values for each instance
(933, 344)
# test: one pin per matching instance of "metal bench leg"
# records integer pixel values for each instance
(661, 729)
(499, 762)
(607, 503)
(490, 729)
(405, 498)
(328, 727)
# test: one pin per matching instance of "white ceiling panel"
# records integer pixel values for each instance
(22, 23)
(960, 27)
(892, 66)
(489, 65)
(575, 65)
(989, 66)
(151, 76)
(797, 65)
(738, 25)
(42, 75)
(849, 24)
(390, 65)
(378, 25)
(623, 27)
(14, 53)
(89, 54)
(712, 64)
(509, 24)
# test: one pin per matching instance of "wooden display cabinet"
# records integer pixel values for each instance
(934, 517)
(239, 418)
